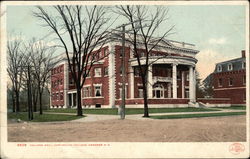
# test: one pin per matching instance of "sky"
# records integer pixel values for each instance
(218, 31)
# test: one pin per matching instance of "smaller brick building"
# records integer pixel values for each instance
(229, 80)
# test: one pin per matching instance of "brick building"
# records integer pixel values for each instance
(229, 80)
(171, 79)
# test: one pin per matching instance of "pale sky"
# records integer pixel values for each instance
(218, 31)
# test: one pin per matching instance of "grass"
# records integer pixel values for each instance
(43, 118)
(180, 116)
(235, 107)
(129, 111)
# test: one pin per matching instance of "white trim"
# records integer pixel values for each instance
(88, 85)
(219, 68)
(97, 84)
(93, 97)
(70, 92)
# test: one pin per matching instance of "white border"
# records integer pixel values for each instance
(124, 149)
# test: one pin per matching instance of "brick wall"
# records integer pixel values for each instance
(236, 92)
(57, 86)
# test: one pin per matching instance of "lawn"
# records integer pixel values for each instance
(43, 118)
(179, 116)
(235, 107)
(114, 111)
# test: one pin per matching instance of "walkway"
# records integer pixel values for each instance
(95, 117)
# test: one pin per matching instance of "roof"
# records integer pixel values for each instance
(237, 64)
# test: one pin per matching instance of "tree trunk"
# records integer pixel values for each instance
(17, 102)
(35, 101)
(145, 96)
(40, 99)
(79, 104)
(13, 102)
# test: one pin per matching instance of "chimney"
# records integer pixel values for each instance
(243, 54)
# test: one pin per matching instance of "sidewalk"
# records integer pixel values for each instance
(95, 117)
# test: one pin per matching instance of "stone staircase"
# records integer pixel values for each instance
(197, 104)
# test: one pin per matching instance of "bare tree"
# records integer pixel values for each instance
(143, 37)
(40, 57)
(15, 58)
(86, 27)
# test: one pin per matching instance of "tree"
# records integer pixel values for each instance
(199, 90)
(41, 62)
(86, 27)
(15, 57)
(143, 37)
(207, 86)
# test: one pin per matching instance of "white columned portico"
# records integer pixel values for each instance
(174, 78)
(191, 83)
(182, 84)
(150, 82)
(132, 83)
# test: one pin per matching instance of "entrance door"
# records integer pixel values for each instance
(158, 94)
(70, 100)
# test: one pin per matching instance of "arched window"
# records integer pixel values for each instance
(158, 91)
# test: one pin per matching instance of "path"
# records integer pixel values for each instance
(97, 117)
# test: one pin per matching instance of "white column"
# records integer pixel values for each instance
(182, 84)
(72, 99)
(66, 83)
(169, 90)
(174, 78)
(112, 77)
(150, 82)
(191, 83)
(132, 83)
(194, 86)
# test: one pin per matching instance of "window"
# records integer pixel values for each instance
(98, 91)
(229, 67)
(61, 69)
(120, 70)
(98, 72)
(219, 68)
(88, 75)
(71, 81)
(230, 81)
(140, 93)
(220, 82)
(57, 96)
(86, 91)
(106, 71)
(244, 80)
(61, 96)
(142, 54)
(97, 55)
(120, 52)
(136, 71)
(243, 64)
(61, 81)
(158, 91)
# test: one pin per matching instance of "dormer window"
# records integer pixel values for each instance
(230, 67)
(243, 64)
(219, 68)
